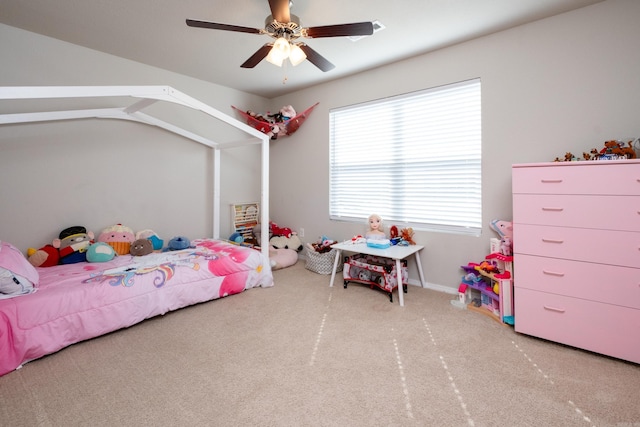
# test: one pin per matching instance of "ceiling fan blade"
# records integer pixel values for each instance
(340, 30)
(316, 59)
(280, 10)
(258, 56)
(225, 27)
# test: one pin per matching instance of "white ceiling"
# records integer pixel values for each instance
(154, 32)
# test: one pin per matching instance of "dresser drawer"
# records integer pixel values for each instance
(620, 177)
(599, 327)
(589, 281)
(604, 212)
(620, 248)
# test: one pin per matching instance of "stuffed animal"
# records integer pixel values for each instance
(46, 256)
(503, 228)
(287, 112)
(156, 241)
(72, 244)
(407, 235)
(119, 237)
(364, 275)
(100, 252)
(141, 247)
(178, 243)
(281, 242)
(279, 231)
(506, 246)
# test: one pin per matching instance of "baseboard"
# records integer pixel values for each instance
(435, 287)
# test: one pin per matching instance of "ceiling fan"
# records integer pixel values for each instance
(285, 28)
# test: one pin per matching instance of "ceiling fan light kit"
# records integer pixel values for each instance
(285, 28)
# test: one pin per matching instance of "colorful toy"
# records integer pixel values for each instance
(178, 243)
(141, 247)
(156, 241)
(119, 237)
(100, 252)
(72, 244)
(281, 242)
(279, 231)
(46, 256)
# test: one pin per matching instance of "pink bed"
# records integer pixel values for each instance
(79, 301)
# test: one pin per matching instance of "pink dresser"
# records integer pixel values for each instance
(576, 233)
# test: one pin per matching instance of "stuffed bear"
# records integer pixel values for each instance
(141, 247)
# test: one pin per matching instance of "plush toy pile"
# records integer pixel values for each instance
(274, 123)
(323, 245)
(76, 244)
(612, 150)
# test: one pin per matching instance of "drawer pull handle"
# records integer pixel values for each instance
(558, 310)
(552, 241)
(553, 273)
(555, 209)
(550, 181)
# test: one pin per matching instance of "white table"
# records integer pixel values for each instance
(397, 253)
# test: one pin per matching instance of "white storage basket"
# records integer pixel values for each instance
(321, 263)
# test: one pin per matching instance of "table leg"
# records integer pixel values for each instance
(335, 267)
(419, 265)
(400, 285)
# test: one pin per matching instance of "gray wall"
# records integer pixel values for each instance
(98, 173)
(567, 83)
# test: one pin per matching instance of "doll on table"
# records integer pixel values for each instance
(376, 230)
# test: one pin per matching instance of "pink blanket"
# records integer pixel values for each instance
(79, 301)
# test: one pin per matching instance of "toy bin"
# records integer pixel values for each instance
(321, 262)
(374, 271)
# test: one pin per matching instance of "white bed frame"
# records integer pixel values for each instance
(146, 96)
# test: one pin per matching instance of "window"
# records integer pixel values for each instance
(414, 159)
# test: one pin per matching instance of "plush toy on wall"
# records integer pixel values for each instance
(72, 244)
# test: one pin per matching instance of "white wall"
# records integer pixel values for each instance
(98, 173)
(567, 83)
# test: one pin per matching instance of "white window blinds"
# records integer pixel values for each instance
(414, 159)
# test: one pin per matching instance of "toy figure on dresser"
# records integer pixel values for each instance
(375, 236)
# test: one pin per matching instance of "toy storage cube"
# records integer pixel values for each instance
(374, 271)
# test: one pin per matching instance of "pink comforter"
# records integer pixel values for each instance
(79, 301)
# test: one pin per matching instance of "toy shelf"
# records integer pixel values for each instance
(244, 217)
(498, 306)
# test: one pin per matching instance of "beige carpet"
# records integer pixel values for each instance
(304, 354)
